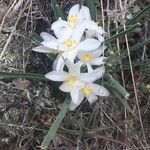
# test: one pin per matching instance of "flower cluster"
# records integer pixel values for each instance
(79, 44)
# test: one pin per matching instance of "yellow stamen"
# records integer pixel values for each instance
(71, 79)
(148, 87)
(69, 43)
(87, 57)
(87, 90)
(72, 20)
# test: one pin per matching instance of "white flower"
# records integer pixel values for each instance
(93, 30)
(91, 91)
(78, 84)
(75, 17)
(89, 58)
(67, 48)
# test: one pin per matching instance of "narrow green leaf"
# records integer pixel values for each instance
(8, 75)
(141, 44)
(90, 4)
(53, 129)
(110, 82)
(122, 33)
(137, 17)
(36, 37)
(57, 10)
(81, 3)
(54, 2)
(51, 56)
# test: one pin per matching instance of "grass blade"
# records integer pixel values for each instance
(57, 10)
(51, 56)
(8, 75)
(53, 129)
(81, 3)
(137, 17)
(90, 4)
(110, 82)
(122, 33)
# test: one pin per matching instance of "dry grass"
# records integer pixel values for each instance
(29, 107)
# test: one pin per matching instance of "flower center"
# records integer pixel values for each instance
(87, 90)
(87, 57)
(69, 43)
(71, 79)
(72, 20)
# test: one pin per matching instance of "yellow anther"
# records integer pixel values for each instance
(72, 20)
(87, 57)
(112, 51)
(71, 79)
(69, 43)
(87, 90)
(97, 22)
(148, 86)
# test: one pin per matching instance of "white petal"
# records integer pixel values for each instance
(53, 44)
(65, 88)
(76, 95)
(93, 76)
(78, 32)
(84, 12)
(74, 10)
(73, 106)
(59, 63)
(80, 54)
(98, 61)
(100, 37)
(88, 45)
(95, 53)
(47, 37)
(90, 33)
(92, 98)
(99, 90)
(63, 33)
(70, 55)
(44, 49)
(56, 76)
(99, 51)
(89, 67)
(100, 30)
(91, 25)
(73, 68)
(59, 24)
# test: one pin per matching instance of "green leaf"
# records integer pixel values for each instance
(110, 82)
(8, 75)
(57, 10)
(53, 129)
(141, 44)
(90, 4)
(81, 3)
(137, 17)
(51, 56)
(36, 37)
(122, 33)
